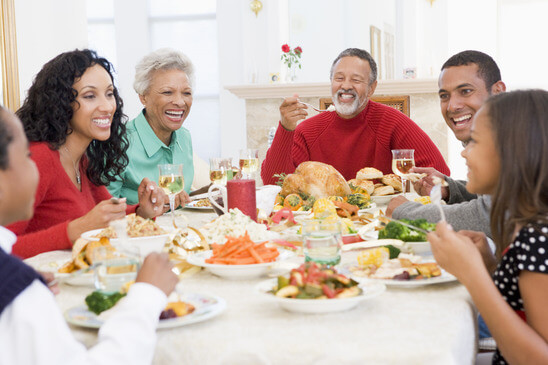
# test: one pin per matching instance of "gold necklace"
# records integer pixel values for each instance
(76, 168)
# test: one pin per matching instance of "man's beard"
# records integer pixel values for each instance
(344, 108)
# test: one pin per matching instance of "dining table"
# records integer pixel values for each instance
(429, 324)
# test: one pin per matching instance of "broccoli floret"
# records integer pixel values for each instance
(98, 301)
(397, 231)
(393, 230)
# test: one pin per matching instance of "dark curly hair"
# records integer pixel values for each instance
(47, 112)
(6, 137)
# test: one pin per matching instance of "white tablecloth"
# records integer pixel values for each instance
(428, 325)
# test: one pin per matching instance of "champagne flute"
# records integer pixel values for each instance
(172, 182)
(402, 162)
(249, 163)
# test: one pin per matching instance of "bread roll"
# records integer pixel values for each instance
(383, 190)
(367, 185)
(393, 180)
(368, 173)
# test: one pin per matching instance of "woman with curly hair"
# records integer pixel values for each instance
(73, 118)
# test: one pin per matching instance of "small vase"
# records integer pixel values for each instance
(290, 73)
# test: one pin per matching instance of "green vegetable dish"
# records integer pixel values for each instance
(406, 234)
(98, 301)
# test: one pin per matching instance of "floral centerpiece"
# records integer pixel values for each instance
(292, 59)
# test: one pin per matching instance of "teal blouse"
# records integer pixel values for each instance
(146, 152)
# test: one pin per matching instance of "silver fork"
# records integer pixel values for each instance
(435, 195)
(312, 106)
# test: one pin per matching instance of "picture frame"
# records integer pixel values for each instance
(388, 55)
(376, 46)
(8, 56)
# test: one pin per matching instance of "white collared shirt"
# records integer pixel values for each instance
(33, 331)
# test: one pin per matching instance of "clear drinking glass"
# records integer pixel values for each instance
(322, 241)
(115, 268)
(172, 182)
(220, 170)
(402, 162)
(249, 163)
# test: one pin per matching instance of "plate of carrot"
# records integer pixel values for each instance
(239, 258)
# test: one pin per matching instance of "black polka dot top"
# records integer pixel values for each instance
(529, 251)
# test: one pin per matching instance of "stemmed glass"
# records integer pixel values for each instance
(172, 182)
(402, 162)
(220, 170)
(249, 163)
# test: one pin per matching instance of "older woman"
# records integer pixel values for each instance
(73, 118)
(163, 80)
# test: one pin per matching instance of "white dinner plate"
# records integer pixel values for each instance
(369, 290)
(236, 271)
(420, 248)
(445, 277)
(206, 306)
(192, 205)
(53, 260)
(383, 199)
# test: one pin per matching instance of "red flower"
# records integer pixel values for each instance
(285, 48)
(298, 50)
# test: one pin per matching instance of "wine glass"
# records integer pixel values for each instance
(402, 162)
(220, 170)
(172, 182)
(249, 163)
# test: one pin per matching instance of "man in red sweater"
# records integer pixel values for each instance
(360, 133)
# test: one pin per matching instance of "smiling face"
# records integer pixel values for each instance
(350, 89)
(94, 106)
(481, 156)
(167, 101)
(19, 181)
(462, 92)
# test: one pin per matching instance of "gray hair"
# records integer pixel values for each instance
(360, 53)
(161, 59)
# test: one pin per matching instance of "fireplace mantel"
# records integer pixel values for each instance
(323, 89)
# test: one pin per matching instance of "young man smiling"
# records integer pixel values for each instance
(360, 133)
(466, 81)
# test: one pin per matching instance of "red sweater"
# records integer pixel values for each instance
(57, 202)
(351, 144)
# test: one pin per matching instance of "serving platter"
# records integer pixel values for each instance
(206, 306)
(236, 271)
(369, 291)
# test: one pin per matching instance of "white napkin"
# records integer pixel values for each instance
(266, 195)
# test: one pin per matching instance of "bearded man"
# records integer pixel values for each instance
(359, 133)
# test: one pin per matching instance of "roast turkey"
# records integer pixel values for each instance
(317, 179)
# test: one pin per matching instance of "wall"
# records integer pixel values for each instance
(50, 28)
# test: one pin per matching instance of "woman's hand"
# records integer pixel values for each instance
(99, 217)
(455, 252)
(151, 199)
